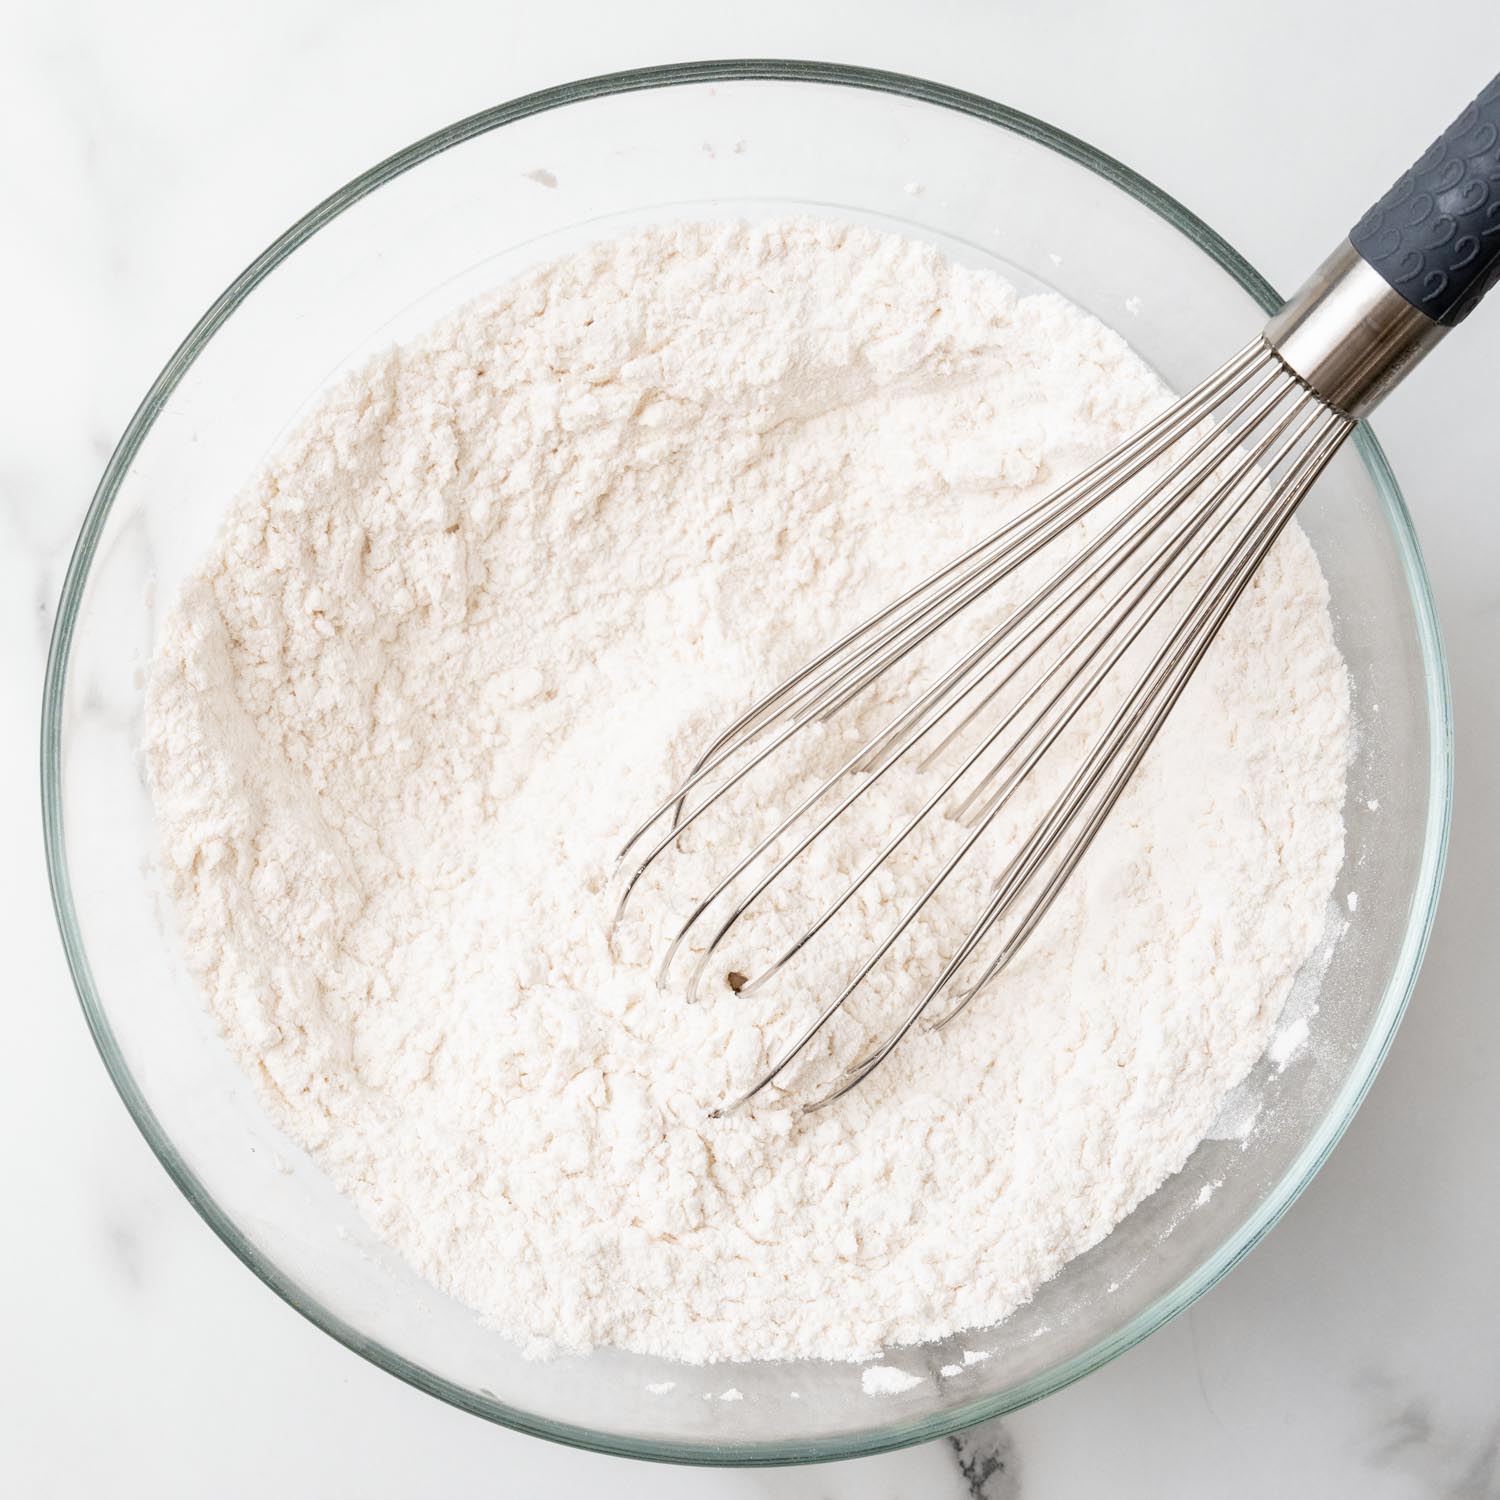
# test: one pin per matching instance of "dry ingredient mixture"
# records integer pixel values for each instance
(473, 620)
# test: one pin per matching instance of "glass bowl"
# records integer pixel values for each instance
(465, 209)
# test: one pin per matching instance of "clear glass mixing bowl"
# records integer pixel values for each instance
(465, 209)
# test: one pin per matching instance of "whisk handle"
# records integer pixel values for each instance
(1435, 237)
(1417, 264)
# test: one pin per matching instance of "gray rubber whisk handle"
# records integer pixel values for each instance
(1435, 237)
(1414, 267)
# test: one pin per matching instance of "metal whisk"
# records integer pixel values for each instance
(1141, 560)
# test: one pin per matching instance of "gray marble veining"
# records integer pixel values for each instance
(989, 1461)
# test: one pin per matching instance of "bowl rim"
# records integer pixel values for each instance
(893, 1435)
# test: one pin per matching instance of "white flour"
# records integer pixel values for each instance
(471, 622)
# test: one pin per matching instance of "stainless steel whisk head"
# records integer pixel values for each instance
(1141, 560)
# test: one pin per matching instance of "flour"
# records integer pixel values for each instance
(473, 620)
(886, 1380)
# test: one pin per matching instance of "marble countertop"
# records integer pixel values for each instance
(154, 149)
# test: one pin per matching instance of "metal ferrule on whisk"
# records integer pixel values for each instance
(1349, 335)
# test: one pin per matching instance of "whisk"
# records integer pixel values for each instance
(1142, 558)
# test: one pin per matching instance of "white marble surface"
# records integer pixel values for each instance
(153, 149)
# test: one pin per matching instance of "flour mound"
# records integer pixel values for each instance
(473, 620)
